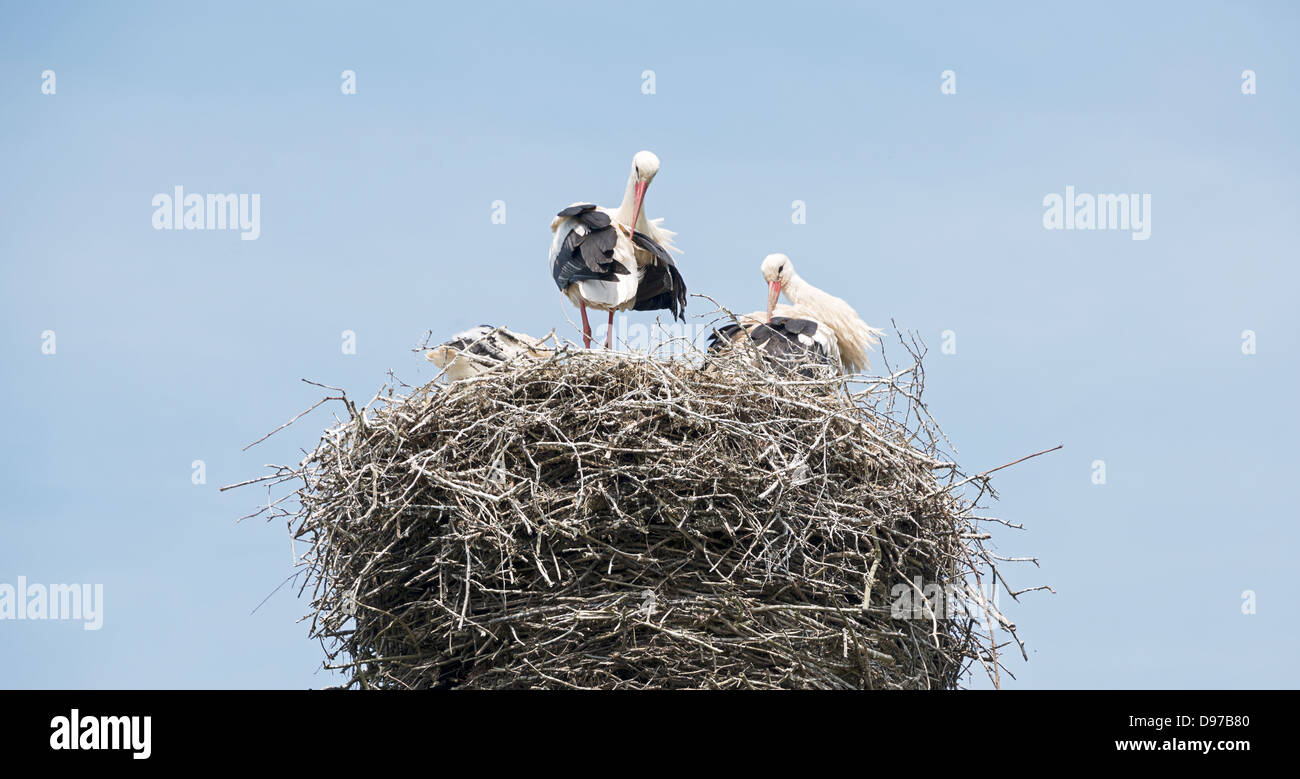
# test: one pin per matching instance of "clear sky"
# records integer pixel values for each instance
(921, 207)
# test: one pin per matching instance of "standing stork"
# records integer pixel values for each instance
(853, 337)
(615, 259)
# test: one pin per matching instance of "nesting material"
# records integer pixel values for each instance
(608, 520)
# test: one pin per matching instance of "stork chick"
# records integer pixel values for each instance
(479, 349)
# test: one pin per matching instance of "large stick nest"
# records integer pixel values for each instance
(628, 521)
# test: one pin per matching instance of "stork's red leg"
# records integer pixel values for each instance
(586, 327)
(609, 331)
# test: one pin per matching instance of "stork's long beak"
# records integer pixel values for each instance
(640, 198)
(773, 293)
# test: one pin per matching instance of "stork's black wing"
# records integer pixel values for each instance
(661, 285)
(587, 254)
(785, 342)
(796, 339)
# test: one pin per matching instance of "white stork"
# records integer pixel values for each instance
(479, 349)
(614, 259)
(785, 337)
(852, 337)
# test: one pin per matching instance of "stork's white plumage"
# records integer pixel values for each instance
(853, 337)
(615, 259)
(479, 349)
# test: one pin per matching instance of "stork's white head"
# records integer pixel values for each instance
(777, 272)
(777, 267)
(644, 166)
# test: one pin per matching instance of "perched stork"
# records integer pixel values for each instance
(853, 337)
(617, 259)
(479, 349)
(785, 337)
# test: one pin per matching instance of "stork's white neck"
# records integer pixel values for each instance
(853, 337)
(628, 207)
(795, 288)
(806, 296)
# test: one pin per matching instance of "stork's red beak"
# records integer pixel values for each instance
(640, 197)
(773, 293)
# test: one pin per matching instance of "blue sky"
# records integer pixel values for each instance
(923, 208)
